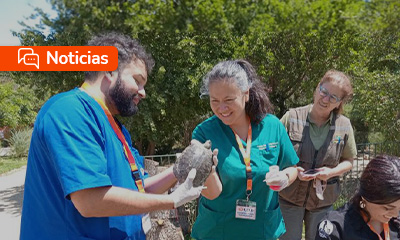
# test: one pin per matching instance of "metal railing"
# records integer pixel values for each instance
(349, 181)
(163, 160)
(365, 152)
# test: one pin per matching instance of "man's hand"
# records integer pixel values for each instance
(186, 192)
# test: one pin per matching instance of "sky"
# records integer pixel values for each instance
(13, 11)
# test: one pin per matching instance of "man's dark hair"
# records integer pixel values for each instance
(128, 49)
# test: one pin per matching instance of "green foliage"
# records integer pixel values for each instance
(17, 105)
(376, 73)
(376, 137)
(377, 83)
(292, 43)
(10, 163)
(20, 141)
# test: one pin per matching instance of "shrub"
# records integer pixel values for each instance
(20, 141)
(17, 105)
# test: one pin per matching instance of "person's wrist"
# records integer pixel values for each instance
(176, 199)
(287, 180)
(329, 173)
(332, 173)
(169, 201)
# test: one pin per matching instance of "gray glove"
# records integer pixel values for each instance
(186, 192)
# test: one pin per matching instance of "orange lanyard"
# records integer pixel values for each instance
(246, 158)
(121, 137)
(385, 229)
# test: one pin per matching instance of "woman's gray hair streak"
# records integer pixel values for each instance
(229, 71)
(243, 74)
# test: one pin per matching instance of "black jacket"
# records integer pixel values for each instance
(347, 224)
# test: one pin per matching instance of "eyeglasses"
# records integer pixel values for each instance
(323, 92)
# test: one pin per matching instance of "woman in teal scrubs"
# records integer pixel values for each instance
(239, 202)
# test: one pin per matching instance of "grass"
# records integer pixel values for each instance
(10, 163)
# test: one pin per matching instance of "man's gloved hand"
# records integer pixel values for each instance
(277, 181)
(186, 192)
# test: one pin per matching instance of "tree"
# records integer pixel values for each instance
(291, 43)
(17, 104)
(377, 70)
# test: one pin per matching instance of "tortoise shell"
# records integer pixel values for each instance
(196, 155)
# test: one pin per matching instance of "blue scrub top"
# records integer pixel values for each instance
(74, 147)
(216, 219)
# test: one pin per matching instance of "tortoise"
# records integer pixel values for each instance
(196, 155)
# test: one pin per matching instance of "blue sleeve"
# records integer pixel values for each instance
(287, 154)
(75, 146)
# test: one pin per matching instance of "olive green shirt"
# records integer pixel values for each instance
(319, 134)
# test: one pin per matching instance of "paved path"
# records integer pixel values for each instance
(5, 151)
(11, 195)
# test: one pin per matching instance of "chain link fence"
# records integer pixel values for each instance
(365, 152)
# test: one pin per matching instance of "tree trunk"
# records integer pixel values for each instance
(139, 147)
(151, 148)
(188, 129)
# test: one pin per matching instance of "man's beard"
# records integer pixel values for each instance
(123, 99)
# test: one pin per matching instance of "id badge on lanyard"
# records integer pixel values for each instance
(246, 209)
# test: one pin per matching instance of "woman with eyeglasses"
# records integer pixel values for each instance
(373, 212)
(324, 141)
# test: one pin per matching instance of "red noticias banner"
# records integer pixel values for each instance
(58, 58)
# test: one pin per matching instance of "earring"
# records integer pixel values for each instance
(362, 204)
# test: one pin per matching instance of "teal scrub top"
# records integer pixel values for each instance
(216, 218)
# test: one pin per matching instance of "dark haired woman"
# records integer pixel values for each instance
(373, 213)
(324, 141)
(237, 204)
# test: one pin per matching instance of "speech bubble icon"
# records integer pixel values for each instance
(22, 52)
(31, 59)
